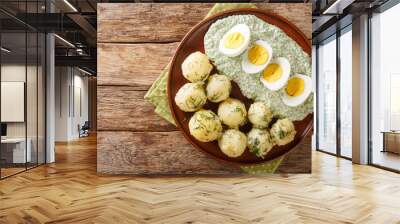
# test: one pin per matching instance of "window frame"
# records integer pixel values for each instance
(336, 36)
(381, 9)
(31, 30)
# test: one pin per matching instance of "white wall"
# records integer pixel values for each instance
(17, 72)
(14, 72)
(62, 81)
(33, 127)
(70, 109)
(80, 109)
(13, 101)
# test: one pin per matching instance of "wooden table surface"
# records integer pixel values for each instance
(135, 42)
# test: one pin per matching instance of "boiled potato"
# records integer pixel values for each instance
(232, 113)
(233, 143)
(259, 115)
(283, 131)
(191, 97)
(205, 126)
(196, 67)
(259, 142)
(218, 88)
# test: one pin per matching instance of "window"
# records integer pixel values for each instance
(327, 96)
(385, 89)
(22, 77)
(346, 75)
(333, 106)
(394, 101)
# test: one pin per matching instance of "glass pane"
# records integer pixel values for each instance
(13, 88)
(32, 86)
(31, 100)
(41, 98)
(346, 94)
(314, 80)
(385, 84)
(22, 90)
(327, 96)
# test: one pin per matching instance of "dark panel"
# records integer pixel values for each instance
(49, 22)
(80, 61)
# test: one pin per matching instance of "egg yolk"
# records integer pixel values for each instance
(258, 55)
(272, 73)
(234, 40)
(295, 86)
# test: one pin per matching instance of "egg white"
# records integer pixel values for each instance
(293, 101)
(242, 29)
(250, 68)
(278, 84)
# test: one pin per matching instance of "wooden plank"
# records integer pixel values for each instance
(141, 22)
(298, 160)
(124, 109)
(135, 46)
(155, 22)
(159, 153)
(132, 64)
(169, 153)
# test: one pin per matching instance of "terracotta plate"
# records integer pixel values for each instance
(193, 41)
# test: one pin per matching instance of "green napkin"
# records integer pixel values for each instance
(157, 95)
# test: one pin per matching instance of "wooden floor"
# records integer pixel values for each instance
(387, 159)
(70, 191)
(5, 172)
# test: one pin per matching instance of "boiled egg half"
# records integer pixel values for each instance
(297, 90)
(257, 57)
(235, 41)
(276, 74)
